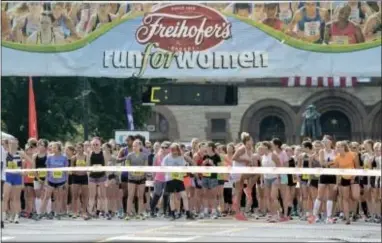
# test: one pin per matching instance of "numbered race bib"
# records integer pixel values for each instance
(42, 174)
(12, 165)
(206, 174)
(57, 174)
(294, 178)
(127, 163)
(81, 163)
(177, 176)
(341, 40)
(305, 177)
(31, 175)
(221, 177)
(312, 28)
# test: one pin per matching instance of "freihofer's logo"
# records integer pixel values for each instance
(180, 36)
(184, 28)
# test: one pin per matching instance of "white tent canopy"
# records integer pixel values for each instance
(6, 136)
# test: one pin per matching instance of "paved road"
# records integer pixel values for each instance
(161, 230)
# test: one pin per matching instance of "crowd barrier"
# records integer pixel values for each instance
(212, 169)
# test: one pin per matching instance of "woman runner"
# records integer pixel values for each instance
(137, 181)
(314, 162)
(96, 158)
(56, 182)
(29, 194)
(80, 191)
(241, 158)
(174, 184)
(13, 182)
(228, 184)
(112, 187)
(271, 181)
(303, 162)
(348, 187)
(292, 180)
(326, 182)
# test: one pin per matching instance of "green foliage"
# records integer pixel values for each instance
(61, 106)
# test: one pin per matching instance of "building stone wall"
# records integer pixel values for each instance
(362, 105)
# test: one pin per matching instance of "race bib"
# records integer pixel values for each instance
(206, 174)
(221, 176)
(305, 177)
(177, 176)
(127, 163)
(294, 177)
(57, 174)
(81, 163)
(31, 175)
(136, 173)
(340, 40)
(12, 165)
(42, 174)
(312, 28)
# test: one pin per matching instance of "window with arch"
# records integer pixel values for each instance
(272, 127)
(336, 124)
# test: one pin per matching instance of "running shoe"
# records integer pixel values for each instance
(108, 216)
(16, 219)
(312, 219)
(2, 224)
(128, 217)
(214, 216)
(330, 220)
(272, 220)
(201, 216)
(284, 219)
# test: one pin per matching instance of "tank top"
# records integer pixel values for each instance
(97, 159)
(356, 15)
(79, 163)
(13, 162)
(329, 156)
(267, 161)
(343, 36)
(40, 162)
(244, 156)
(310, 26)
(285, 14)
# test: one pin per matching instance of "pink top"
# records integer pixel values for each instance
(343, 36)
(159, 176)
(283, 157)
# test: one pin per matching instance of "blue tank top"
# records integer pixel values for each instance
(310, 26)
(13, 162)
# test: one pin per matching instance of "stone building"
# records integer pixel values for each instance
(267, 109)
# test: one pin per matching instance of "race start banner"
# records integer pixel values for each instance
(180, 40)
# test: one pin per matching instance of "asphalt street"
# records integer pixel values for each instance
(162, 230)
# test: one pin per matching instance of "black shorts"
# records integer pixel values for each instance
(2, 189)
(56, 185)
(221, 182)
(363, 181)
(290, 181)
(314, 183)
(28, 185)
(346, 182)
(111, 177)
(137, 182)
(227, 195)
(124, 178)
(328, 179)
(174, 186)
(80, 179)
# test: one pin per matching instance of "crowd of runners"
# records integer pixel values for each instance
(138, 195)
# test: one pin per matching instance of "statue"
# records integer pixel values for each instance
(311, 126)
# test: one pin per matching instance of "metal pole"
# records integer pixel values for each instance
(85, 108)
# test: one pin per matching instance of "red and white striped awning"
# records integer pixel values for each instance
(341, 82)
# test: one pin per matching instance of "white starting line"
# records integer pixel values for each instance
(150, 239)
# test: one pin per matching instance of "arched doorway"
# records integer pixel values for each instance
(336, 124)
(272, 127)
(158, 127)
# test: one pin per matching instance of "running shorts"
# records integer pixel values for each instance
(56, 185)
(328, 179)
(174, 186)
(209, 183)
(79, 179)
(137, 182)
